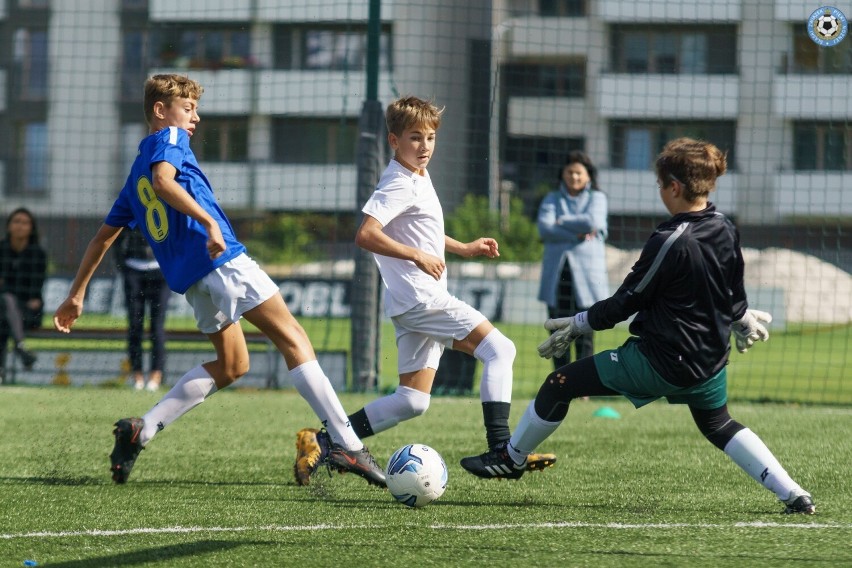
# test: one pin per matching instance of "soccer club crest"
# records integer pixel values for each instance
(827, 26)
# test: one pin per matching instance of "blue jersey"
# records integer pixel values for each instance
(179, 242)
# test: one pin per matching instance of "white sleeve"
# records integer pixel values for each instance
(389, 201)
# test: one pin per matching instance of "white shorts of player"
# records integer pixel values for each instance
(425, 330)
(224, 295)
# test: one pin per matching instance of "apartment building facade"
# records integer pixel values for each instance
(523, 81)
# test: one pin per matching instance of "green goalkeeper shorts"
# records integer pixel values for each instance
(627, 371)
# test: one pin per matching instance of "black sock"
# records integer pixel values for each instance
(361, 424)
(496, 415)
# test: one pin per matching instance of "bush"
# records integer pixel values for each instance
(293, 238)
(517, 236)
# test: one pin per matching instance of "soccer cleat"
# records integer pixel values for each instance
(311, 449)
(495, 464)
(540, 462)
(360, 462)
(126, 449)
(800, 504)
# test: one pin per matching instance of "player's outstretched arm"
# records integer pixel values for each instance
(71, 308)
(485, 246)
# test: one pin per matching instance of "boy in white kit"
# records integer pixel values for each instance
(403, 227)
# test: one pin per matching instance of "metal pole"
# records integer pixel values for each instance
(366, 290)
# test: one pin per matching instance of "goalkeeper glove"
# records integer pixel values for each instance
(750, 328)
(565, 330)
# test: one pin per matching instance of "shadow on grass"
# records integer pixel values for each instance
(78, 481)
(158, 554)
(88, 480)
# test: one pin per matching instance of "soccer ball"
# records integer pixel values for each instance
(827, 26)
(416, 475)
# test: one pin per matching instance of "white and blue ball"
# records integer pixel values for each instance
(416, 475)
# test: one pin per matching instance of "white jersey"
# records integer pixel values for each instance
(408, 208)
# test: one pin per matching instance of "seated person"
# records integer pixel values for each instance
(23, 267)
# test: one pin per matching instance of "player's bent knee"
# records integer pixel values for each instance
(496, 347)
(419, 406)
(413, 402)
(231, 373)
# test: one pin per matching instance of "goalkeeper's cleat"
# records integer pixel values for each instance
(311, 450)
(800, 503)
(360, 462)
(494, 464)
(126, 449)
(540, 462)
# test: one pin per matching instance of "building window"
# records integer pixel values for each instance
(30, 56)
(822, 146)
(327, 48)
(808, 57)
(562, 8)
(31, 158)
(195, 47)
(670, 49)
(545, 80)
(635, 145)
(314, 140)
(221, 139)
(531, 163)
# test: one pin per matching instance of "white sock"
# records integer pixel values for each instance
(390, 410)
(188, 392)
(530, 432)
(750, 453)
(311, 382)
(497, 353)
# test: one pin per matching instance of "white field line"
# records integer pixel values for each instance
(323, 527)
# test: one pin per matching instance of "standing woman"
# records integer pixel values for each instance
(23, 267)
(572, 222)
(144, 286)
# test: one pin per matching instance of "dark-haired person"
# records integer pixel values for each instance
(687, 293)
(23, 268)
(572, 222)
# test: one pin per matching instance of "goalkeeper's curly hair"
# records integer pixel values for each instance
(167, 87)
(694, 163)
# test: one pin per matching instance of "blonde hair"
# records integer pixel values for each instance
(694, 163)
(165, 88)
(408, 112)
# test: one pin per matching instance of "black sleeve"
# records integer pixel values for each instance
(638, 289)
(738, 294)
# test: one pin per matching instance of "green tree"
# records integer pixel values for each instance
(516, 234)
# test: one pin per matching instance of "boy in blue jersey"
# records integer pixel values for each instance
(170, 200)
(687, 294)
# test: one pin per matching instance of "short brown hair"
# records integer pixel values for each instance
(694, 163)
(408, 112)
(166, 88)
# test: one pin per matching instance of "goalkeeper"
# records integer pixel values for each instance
(687, 292)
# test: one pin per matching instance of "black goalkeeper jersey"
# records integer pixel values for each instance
(685, 289)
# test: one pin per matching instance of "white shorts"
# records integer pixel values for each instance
(224, 295)
(425, 330)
